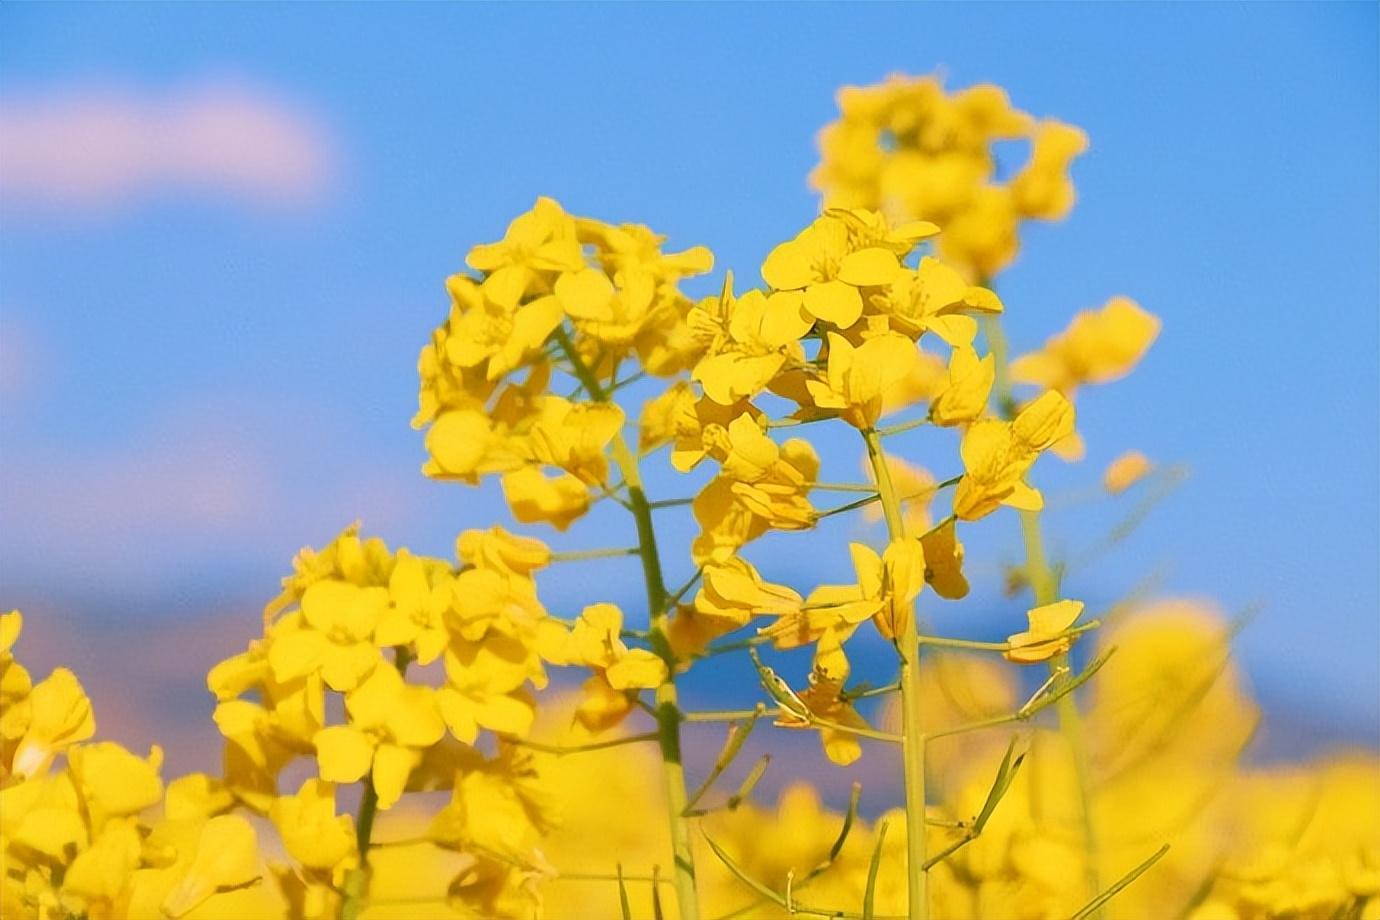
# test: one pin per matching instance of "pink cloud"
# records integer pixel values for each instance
(100, 146)
(203, 485)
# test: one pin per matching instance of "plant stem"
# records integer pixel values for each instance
(1044, 585)
(667, 711)
(356, 884)
(912, 738)
(584, 555)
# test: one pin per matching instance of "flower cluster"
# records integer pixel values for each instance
(915, 151)
(554, 286)
(403, 690)
(348, 609)
(78, 833)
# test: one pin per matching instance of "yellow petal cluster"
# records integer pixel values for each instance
(556, 289)
(915, 151)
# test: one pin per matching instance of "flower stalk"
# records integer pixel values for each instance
(912, 738)
(1044, 585)
(667, 709)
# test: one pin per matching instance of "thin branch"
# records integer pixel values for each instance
(582, 555)
(902, 427)
(560, 750)
(737, 736)
(680, 592)
(1093, 906)
(1034, 704)
(669, 503)
(943, 642)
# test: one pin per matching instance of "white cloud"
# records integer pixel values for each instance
(99, 146)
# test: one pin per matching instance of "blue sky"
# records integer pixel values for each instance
(210, 371)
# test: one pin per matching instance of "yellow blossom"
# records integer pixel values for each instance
(312, 832)
(857, 377)
(944, 561)
(1098, 346)
(936, 298)
(334, 636)
(822, 700)
(534, 497)
(964, 398)
(734, 590)
(419, 592)
(541, 242)
(1125, 471)
(997, 455)
(1044, 639)
(390, 723)
(226, 858)
(827, 268)
(60, 716)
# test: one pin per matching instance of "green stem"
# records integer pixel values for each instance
(356, 884)
(667, 710)
(912, 738)
(584, 555)
(1044, 584)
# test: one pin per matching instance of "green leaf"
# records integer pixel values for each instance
(1006, 774)
(623, 895)
(869, 910)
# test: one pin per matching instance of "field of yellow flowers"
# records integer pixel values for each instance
(390, 752)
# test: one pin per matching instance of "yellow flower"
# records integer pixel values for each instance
(1042, 188)
(1043, 640)
(537, 244)
(99, 875)
(574, 436)
(660, 418)
(944, 561)
(419, 593)
(226, 858)
(313, 834)
(629, 247)
(858, 377)
(734, 590)
(964, 398)
(689, 632)
(612, 315)
(485, 688)
(1098, 346)
(113, 782)
(333, 638)
(15, 684)
(746, 341)
(885, 592)
(997, 455)
(1125, 471)
(536, 498)
(914, 151)
(60, 716)
(498, 550)
(823, 700)
(493, 338)
(984, 235)
(825, 266)
(390, 723)
(595, 642)
(935, 298)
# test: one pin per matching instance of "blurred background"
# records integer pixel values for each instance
(224, 232)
